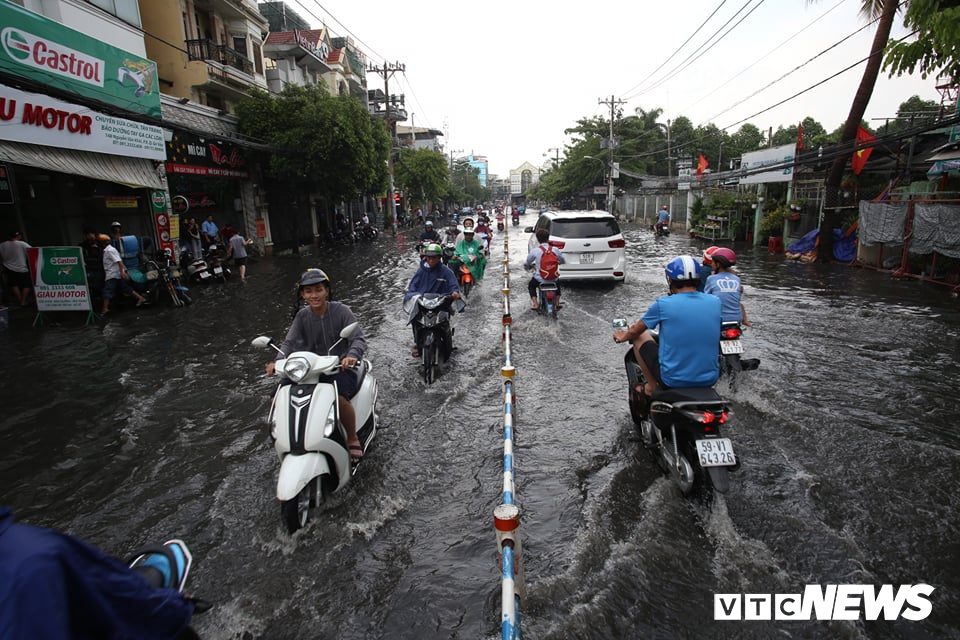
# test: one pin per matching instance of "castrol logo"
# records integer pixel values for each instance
(53, 57)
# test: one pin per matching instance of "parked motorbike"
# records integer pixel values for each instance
(731, 362)
(308, 436)
(364, 231)
(681, 428)
(216, 260)
(430, 314)
(195, 268)
(168, 281)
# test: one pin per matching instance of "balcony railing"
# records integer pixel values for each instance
(211, 51)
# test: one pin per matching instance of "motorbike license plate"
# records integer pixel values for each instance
(204, 275)
(218, 270)
(716, 452)
(728, 347)
(586, 258)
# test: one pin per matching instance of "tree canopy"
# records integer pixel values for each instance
(937, 50)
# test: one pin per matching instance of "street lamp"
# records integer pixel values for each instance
(556, 161)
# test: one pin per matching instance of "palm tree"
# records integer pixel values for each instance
(885, 10)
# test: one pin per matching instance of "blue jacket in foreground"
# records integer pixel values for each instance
(56, 587)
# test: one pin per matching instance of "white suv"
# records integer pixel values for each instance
(591, 243)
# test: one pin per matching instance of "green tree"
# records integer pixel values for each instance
(912, 113)
(422, 174)
(937, 49)
(325, 144)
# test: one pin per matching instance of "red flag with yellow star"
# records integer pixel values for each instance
(702, 165)
(860, 156)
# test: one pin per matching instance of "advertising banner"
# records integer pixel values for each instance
(162, 221)
(59, 278)
(193, 155)
(40, 49)
(36, 118)
(780, 159)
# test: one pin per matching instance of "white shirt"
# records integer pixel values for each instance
(111, 263)
(13, 253)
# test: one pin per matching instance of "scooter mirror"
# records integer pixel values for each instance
(261, 341)
(619, 324)
(528, 229)
(349, 330)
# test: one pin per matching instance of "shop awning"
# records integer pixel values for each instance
(134, 172)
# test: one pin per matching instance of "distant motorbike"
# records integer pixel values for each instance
(364, 231)
(661, 230)
(515, 218)
(500, 222)
(430, 315)
(730, 349)
(681, 428)
(448, 251)
(308, 436)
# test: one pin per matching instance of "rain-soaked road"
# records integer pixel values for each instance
(153, 426)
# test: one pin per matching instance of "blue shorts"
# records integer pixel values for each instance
(111, 286)
(346, 382)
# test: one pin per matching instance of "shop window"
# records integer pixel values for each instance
(126, 10)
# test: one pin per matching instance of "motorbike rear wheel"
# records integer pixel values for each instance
(465, 287)
(296, 512)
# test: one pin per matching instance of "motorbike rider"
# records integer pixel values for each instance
(663, 218)
(429, 233)
(469, 252)
(706, 269)
(451, 233)
(483, 227)
(431, 277)
(533, 260)
(316, 328)
(468, 223)
(689, 332)
(53, 585)
(726, 285)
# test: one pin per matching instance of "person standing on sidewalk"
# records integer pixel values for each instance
(116, 278)
(13, 254)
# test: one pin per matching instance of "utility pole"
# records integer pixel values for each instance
(387, 71)
(614, 103)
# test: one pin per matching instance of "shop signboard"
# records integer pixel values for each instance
(161, 219)
(192, 155)
(35, 118)
(779, 159)
(45, 51)
(59, 278)
(6, 188)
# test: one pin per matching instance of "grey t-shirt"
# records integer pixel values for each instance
(238, 245)
(310, 332)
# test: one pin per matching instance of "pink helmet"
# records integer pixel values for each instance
(724, 257)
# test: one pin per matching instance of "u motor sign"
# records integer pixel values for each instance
(39, 49)
(35, 118)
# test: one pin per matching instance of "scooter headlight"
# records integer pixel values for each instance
(331, 422)
(296, 368)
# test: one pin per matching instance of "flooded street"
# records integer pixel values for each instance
(153, 425)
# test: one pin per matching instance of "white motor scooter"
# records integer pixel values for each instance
(308, 435)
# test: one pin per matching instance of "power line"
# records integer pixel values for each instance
(652, 73)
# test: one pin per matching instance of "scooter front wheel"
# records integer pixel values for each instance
(296, 512)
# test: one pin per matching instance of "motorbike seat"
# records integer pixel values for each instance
(692, 395)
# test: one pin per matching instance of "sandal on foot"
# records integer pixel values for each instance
(356, 454)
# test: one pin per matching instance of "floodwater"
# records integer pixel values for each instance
(152, 426)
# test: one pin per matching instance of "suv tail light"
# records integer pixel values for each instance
(617, 244)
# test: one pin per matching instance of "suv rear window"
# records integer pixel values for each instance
(585, 228)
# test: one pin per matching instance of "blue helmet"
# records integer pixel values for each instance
(683, 268)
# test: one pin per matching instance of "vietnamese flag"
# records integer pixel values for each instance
(702, 165)
(860, 156)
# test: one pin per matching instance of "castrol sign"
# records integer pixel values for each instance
(33, 51)
(46, 52)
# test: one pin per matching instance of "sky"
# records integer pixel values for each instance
(505, 79)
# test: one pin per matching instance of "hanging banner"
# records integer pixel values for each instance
(45, 51)
(59, 278)
(778, 159)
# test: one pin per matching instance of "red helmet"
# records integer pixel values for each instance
(707, 253)
(724, 257)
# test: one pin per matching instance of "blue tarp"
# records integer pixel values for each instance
(844, 245)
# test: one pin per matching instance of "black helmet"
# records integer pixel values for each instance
(313, 276)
